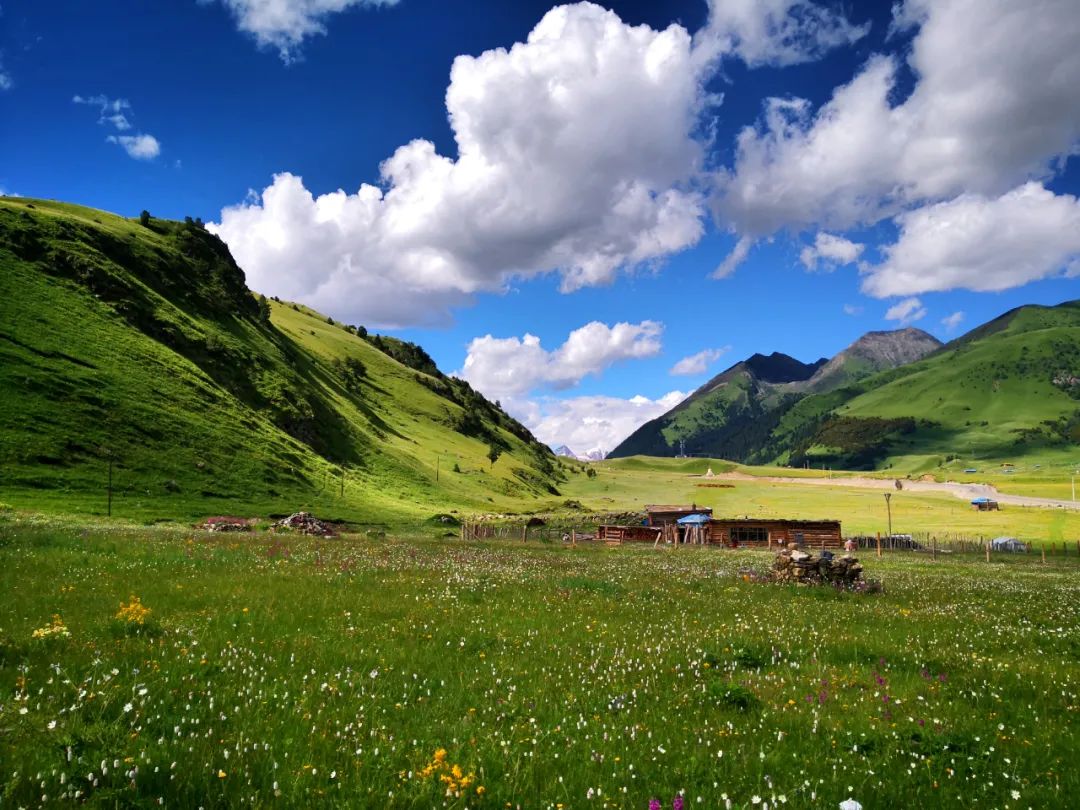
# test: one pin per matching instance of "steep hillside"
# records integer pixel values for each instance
(735, 413)
(140, 343)
(1006, 390)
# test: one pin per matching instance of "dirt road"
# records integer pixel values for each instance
(963, 491)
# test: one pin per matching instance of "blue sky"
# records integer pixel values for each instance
(599, 174)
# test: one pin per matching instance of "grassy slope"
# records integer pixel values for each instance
(990, 394)
(111, 341)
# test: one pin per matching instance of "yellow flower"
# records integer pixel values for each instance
(134, 612)
(221, 774)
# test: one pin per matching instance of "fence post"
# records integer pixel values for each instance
(1044, 556)
(879, 544)
(987, 547)
(934, 547)
(525, 532)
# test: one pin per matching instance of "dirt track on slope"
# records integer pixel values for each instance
(963, 491)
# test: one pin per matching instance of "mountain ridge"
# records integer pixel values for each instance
(140, 342)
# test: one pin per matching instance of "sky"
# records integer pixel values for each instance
(585, 210)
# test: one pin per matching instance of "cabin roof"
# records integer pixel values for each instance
(688, 508)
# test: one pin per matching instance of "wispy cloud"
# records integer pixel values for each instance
(698, 363)
(952, 321)
(113, 113)
(851, 309)
(907, 311)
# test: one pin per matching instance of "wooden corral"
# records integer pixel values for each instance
(627, 534)
(665, 514)
(770, 533)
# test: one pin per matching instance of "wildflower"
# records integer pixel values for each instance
(654, 804)
(850, 804)
(677, 803)
(134, 612)
(55, 628)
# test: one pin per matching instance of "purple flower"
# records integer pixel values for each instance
(654, 804)
(677, 803)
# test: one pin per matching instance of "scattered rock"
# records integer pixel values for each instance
(226, 523)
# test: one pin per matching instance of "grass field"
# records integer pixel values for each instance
(627, 484)
(417, 672)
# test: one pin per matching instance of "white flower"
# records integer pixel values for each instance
(850, 804)
(1015, 794)
(127, 708)
(52, 725)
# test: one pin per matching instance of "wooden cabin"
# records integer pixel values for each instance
(666, 514)
(985, 505)
(771, 533)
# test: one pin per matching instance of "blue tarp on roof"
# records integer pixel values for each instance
(982, 500)
(693, 520)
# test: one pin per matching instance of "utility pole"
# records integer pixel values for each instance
(888, 506)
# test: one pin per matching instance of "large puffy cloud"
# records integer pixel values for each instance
(575, 153)
(285, 24)
(591, 422)
(508, 367)
(994, 104)
(981, 243)
(774, 32)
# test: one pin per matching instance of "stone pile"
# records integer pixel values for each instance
(225, 523)
(304, 523)
(793, 565)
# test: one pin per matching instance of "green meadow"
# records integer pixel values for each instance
(147, 666)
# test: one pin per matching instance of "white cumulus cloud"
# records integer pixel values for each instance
(976, 121)
(698, 363)
(830, 251)
(980, 243)
(285, 24)
(140, 147)
(907, 311)
(507, 367)
(591, 422)
(576, 154)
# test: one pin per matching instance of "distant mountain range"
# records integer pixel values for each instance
(1006, 388)
(596, 454)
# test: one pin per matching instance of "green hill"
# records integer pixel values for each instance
(735, 414)
(141, 342)
(1007, 390)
